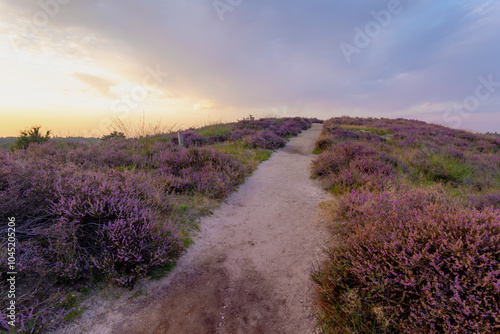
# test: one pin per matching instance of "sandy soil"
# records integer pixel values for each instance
(248, 271)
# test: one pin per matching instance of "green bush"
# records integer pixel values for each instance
(30, 136)
(114, 135)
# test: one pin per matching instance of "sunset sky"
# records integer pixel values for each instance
(71, 65)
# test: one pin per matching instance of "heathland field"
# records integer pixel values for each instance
(412, 210)
(417, 227)
(115, 211)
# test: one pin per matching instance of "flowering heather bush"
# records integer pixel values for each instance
(200, 169)
(339, 156)
(110, 153)
(425, 153)
(351, 165)
(132, 250)
(340, 133)
(420, 133)
(109, 219)
(72, 223)
(282, 127)
(33, 319)
(265, 139)
(483, 201)
(192, 139)
(75, 216)
(255, 125)
(315, 120)
(240, 134)
(249, 131)
(219, 138)
(412, 262)
(290, 127)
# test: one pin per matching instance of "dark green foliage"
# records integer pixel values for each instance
(114, 135)
(30, 136)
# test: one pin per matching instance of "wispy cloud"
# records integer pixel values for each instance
(99, 84)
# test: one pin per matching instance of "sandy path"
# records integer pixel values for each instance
(248, 271)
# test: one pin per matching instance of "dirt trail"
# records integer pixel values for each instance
(248, 271)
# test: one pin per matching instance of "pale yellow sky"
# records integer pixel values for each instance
(73, 82)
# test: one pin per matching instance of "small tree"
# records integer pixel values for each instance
(27, 137)
(114, 135)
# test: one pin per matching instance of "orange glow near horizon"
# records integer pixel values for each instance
(75, 92)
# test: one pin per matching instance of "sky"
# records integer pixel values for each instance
(75, 66)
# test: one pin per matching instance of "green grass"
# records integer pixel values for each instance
(380, 132)
(187, 210)
(242, 153)
(162, 271)
(216, 129)
(136, 294)
(446, 169)
(317, 151)
(124, 168)
(71, 302)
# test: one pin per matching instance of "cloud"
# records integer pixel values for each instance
(272, 54)
(99, 84)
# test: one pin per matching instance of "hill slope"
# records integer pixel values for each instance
(417, 211)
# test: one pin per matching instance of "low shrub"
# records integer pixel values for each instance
(351, 165)
(78, 218)
(323, 143)
(257, 133)
(241, 134)
(282, 127)
(30, 136)
(265, 139)
(192, 139)
(413, 258)
(412, 262)
(484, 201)
(72, 225)
(199, 169)
(315, 120)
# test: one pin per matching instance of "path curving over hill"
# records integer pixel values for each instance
(248, 271)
